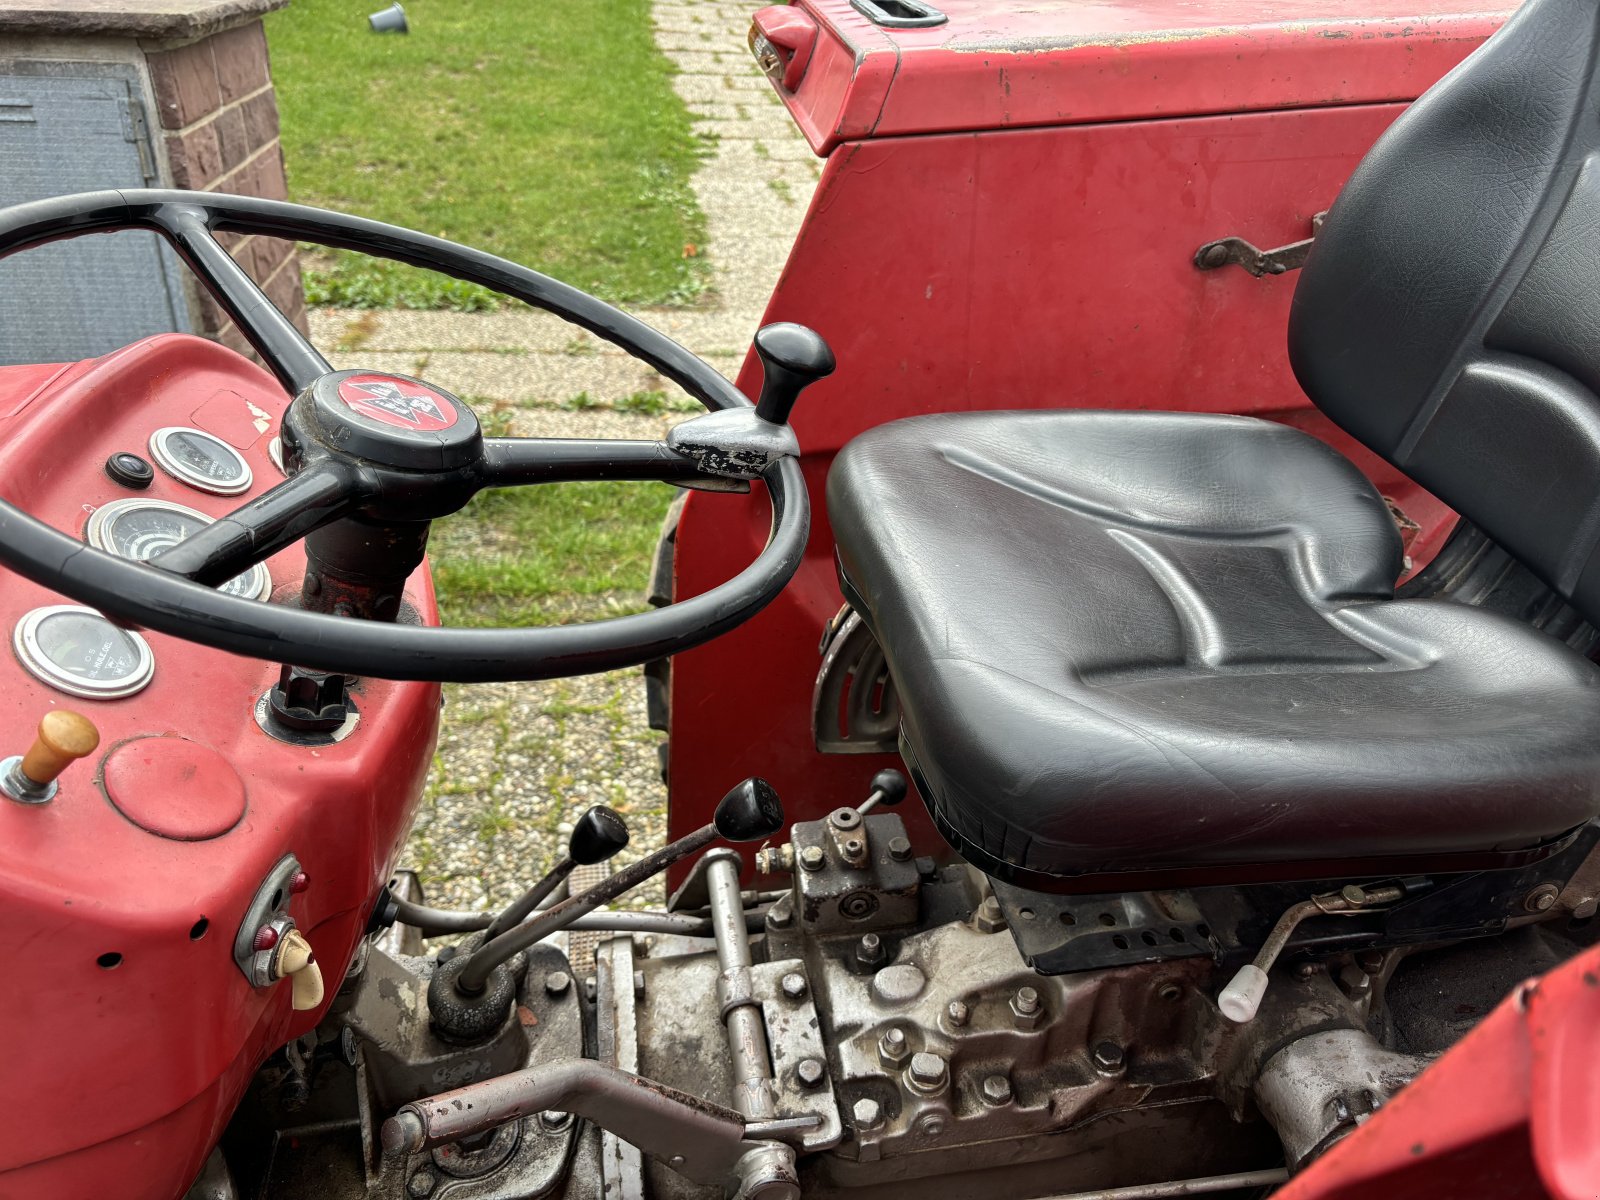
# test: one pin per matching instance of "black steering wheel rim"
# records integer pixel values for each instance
(169, 603)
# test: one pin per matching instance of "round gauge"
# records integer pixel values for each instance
(200, 460)
(275, 453)
(77, 651)
(140, 529)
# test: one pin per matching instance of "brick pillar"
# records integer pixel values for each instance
(199, 69)
(219, 117)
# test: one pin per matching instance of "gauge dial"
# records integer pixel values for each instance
(140, 529)
(77, 651)
(200, 460)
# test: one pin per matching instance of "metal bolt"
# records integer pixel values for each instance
(810, 1072)
(844, 818)
(794, 985)
(893, 1049)
(989, 918)
(557, 982)
(1025, 1007)
(421, 1184)
(957, 1013)
(854, 847)
(930, 1124)
(929, 1073)
(900, 849)
(812, 858)
(1108, 1058)
(996, 1090)
(1354, 894)
(781, 914)
(1214, 256)
(638, 984)
(869, 950)
(1307, 969)
(1542, 898)
(553, 1121)
(867, 1114)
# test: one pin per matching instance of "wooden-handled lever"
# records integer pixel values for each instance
(64, 737)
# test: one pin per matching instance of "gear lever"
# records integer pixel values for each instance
(888, 789)
(751, 812)
(597, 836)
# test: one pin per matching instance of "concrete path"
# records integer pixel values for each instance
(517, 762)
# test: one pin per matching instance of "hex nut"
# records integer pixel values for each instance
(553, 1120)
(421, 1184)
(988, 918)
(812, 858)
(893, 1049)
(557, 982)
(957, 1013)
(793, 985)
(1542, 898)
(900, 849)
(1026, 1008)
(929, 1073)
(1109, 1058)
(810, 1072)
(869, 950)
(996, 1090)
(867, 1114)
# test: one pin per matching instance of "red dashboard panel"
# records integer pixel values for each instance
(133, 1032)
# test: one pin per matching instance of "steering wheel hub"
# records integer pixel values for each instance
(391, 420)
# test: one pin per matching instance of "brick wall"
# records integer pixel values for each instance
(219, 117)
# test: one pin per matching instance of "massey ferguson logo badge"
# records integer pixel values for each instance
(397, 402)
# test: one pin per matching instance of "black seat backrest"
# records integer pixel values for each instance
(1449, 315)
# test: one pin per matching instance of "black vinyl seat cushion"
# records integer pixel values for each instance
(1146, 642)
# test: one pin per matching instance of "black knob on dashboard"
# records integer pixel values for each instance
(750, 812)
(792, 358)
(597, 836)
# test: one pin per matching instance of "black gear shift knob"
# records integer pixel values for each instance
(792, 358)
(749, 813)
(890, 787)
(596, 836)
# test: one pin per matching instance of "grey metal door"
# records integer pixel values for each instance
(77, 127)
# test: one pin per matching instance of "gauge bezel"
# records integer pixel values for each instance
(96, 533)
(180, 471)
(25, 641)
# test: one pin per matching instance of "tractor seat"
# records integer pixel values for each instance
(1167, 644)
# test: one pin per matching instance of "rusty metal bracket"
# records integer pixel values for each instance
(1240, 253)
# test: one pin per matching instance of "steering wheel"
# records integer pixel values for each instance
(373, 458)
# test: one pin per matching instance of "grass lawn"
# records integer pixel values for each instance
(545, 132)
(559, 551)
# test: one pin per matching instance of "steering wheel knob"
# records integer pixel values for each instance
(792, 358)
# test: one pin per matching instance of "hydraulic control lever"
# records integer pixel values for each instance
(598, 835)
(471, 998)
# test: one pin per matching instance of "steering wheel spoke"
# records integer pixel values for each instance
(256, 531)
(287, 351)
(513, 462)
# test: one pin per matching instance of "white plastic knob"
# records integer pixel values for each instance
(1242, 997)
(296, 961)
